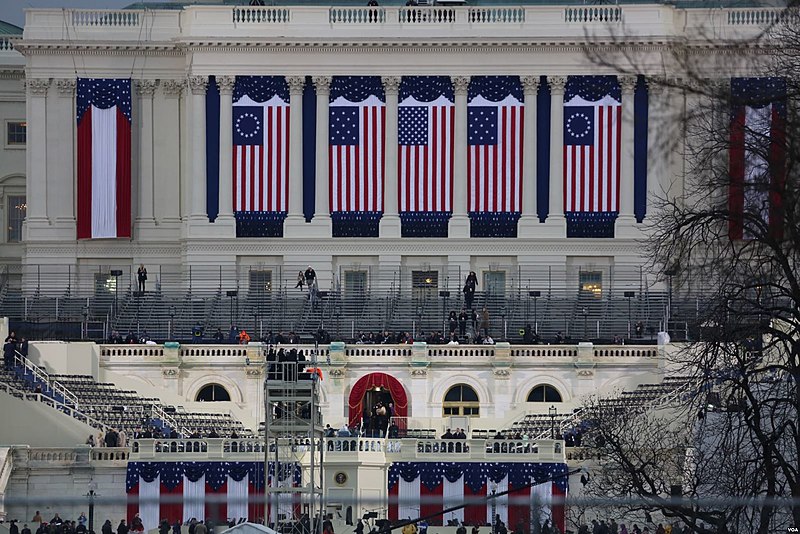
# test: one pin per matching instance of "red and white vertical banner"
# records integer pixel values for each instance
(104, 158)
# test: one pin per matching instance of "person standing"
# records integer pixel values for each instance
(141, 276)
(485, 321)
(300, 280)
(310, 275)
(122, 528)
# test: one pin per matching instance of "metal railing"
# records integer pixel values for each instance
(30, 368)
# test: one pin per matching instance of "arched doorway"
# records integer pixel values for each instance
(213, 393)
(372, 388)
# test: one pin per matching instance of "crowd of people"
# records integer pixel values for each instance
(12, 345)
(649, 527)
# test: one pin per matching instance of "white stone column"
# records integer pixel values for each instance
(61, 210)
(556, 224)
(321, 223)
(459, 222)
(225, 213)
(658, 155)
(529, 221)
(390, 221)
(677, 99)
(197, 154)
(36, 150)
(626, 222)
(295, 222)
(167, 148)
(145, 218)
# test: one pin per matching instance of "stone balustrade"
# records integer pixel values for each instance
(320, 22)
(475, 449)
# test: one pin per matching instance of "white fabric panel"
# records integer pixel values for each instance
(501, 502)
(194, 498)
(541, 501)
(408, 497)
(104, 172)
(149, 494)
(237, 497)
(453, 495)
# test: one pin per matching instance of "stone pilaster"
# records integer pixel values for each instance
(390, 222)
(555, 224)
(295, 221)
(529, 221)
(459, 222)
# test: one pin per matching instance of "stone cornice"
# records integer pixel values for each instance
(12, 73)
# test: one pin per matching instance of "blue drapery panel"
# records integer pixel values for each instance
(543, 150)
(493, 224)
(591, 224)
(212, 148)
(355, 223)
(309, 148)
(259, 223)
(425, 223)
(640, 122)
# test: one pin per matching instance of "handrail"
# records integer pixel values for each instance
(54, 385)
(62, 407)
(159, 411)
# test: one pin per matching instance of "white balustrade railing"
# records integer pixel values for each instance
(427, 15)
(109, 454)
(584, 14)
(107, 18)
(6, 45)
(354, 444)
(496, 15)
(261, 15)
(761, 16)
(476, 449)
(357, 15)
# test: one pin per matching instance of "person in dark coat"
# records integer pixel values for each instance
(107, 527)
(122, 528)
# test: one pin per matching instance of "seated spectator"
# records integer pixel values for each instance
(131, 338)
(244, 337)
(218, 336)
(344, 432)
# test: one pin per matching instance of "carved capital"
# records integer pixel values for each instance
(37, 86)
(336, 372)
(530, 84)
(198, 84)
(226, 84)
(656, 85)
(172, 87)
(254, 372)
(391, 84)
(296, 84)
(460, 84)
(146, 88)
(557, 84)
(627, 84)
(322, 84)
(66, 86)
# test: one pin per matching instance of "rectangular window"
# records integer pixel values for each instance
(591, 283)
(16, 210)
(16, 133)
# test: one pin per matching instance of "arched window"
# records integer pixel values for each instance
(544, 393)
(461, 400)
(213, 393)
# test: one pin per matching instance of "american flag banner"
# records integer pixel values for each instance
(419, 489)
(179, 491)
(495, 117)
(592, 140)
(425, 136)
(357, 139)
(757, 157)
(104, 158)
(260, 144)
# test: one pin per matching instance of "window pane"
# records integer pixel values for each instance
(16, 210)
(16, 132)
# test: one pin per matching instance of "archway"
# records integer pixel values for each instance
(369, 383)
(213, 393)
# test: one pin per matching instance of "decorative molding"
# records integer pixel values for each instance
(460, 84)
(146, 87)
(627, 84)
(66, 86)
(419, 372)
(322, 84)
(656, 85)
(585, 373)
(169, 372)
(530, 84)
(172, 87)
(254, 372)
(198, 85)
(336, 372)
(296, 84)
(226, 84)
(502, 373)
(37, 86)
(12, 74)
(391, 84)
(557, 84)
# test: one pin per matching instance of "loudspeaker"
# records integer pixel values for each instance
(118, 408)
(534, 293)
(630, 294)
(444, 293)
(116, 272)
(232, 293)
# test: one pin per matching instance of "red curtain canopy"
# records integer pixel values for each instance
(371, 381)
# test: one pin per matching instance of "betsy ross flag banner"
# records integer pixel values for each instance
(592, 120)
(495, 115)
(357, 139)
(425, 135)
(179, 491)
(420, 489)
(104, 158)
(260, 144)
(757, 157)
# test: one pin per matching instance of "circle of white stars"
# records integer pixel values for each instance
(585, 118)
(239, 121)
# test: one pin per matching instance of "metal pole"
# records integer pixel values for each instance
(91, 511)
